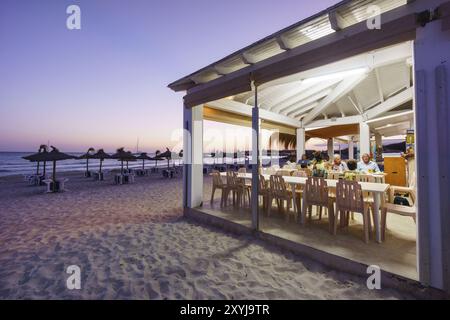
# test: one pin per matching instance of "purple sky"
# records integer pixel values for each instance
(105, 85)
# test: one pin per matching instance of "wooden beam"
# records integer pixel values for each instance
(343, 88)
(390, 104)
(335, 121)
(243, 109)
(336, 21)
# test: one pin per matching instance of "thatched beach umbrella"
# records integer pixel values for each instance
(54, 156)
(180, 155)
(101, 155)
(167, 155)
(143, 156)
(156, 158)
(88, 155)
(122, 156)
(35, 157)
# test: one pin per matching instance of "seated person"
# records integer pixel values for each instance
(304, 162)
(318, 165)
(366, 165)
(350, 174)
(338, 165)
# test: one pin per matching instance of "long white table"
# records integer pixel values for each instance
(377, 189)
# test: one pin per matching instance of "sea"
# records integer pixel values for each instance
(12, 163)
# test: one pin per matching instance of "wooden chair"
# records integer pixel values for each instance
(280, 193)
(264, 192)
(217, 184)
(299, 188)
(350, 198)
(315, 193)
(396, 209)
(236, 186)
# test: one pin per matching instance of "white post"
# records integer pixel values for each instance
(193, 157)
(364, 138)
(351, 149)
(432, 89)
(330, 148)
(255, 162)
(300, 143)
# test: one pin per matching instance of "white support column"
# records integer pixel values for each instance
(330, 148)
(193, 157)
(301, 142)
(351, 149)
(255, 162)
(364, 138)
(432, 90)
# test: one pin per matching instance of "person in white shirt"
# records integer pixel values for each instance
(338, 164)
(366, 165)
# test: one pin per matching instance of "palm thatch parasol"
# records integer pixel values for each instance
(143, 156)
(101, 155)
(122, 156)
(168, 155)
(35, 157)
(88, 155)
(156, 158)
(54, 156)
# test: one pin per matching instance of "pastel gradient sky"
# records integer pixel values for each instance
(105, 85)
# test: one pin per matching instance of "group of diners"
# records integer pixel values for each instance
(338, 190)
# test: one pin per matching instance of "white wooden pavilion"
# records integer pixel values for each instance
(333, 71)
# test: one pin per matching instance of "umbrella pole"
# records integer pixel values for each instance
(87, 166)
(37, 171)
(101, 161)
(121, 167)
(45, 167)
(54, 176)
(143, 167)
(127, 165)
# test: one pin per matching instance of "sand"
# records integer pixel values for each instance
(131, 242)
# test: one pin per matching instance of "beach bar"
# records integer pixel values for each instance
(356, 73)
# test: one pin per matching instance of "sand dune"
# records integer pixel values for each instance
(131, 242)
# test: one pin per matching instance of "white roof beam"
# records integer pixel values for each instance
(355, 105)
(379, 87)
(283, 43)
(248, 58)
(334, 122)
(336, 21)
(299, 107)
(342, 89)
(243, 109)
(311, 90)
(390, 104)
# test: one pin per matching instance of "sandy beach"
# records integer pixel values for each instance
(131, 242)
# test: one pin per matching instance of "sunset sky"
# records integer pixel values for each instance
(106, 84)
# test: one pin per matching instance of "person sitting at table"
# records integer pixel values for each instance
(338, 165)
(318, 165)
(350, 174)
(366, 165)
(304, 162)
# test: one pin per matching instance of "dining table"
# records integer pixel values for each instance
(377, 189)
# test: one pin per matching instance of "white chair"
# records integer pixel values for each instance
(397, 209)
